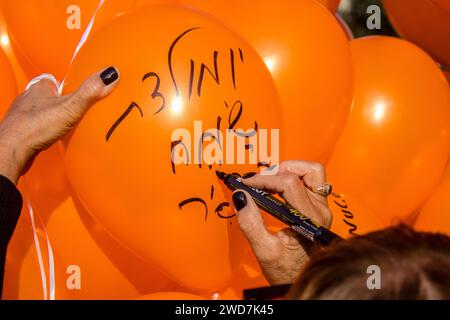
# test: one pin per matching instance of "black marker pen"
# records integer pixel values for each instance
(282, 211)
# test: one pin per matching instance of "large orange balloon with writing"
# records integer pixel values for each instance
(46, 33)
(8, 84)
(350, 218)
(396, 143)
(308, 55)
(139, 159)
(435, 214)
(425, 23)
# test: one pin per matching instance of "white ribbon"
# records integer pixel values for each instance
(38, 250)
(84, 38)
(46, 76)
(51, 289)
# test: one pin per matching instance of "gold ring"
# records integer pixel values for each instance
(325, 190)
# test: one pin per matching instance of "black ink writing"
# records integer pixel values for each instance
(132, 106)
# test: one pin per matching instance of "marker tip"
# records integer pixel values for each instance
(220, 174)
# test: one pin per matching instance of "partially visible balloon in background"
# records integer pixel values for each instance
(106, 269)
(27, 266)
(312, 70)
(435, 214)
(8, 84)
(5, 43)
(395, 147)
(247, 276)
(47, 41)
(204, 5)
(173, 295)
(332, 5)
(447, 76)
(211, 5)
(425, 23)
(347, 30)
(147, 2)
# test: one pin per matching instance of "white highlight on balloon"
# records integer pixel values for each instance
(271, 63)
(4, 40)
(177, 105)
(379, 111)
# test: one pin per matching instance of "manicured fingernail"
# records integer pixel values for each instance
(239, 200)
(249, 175)
(109, 76)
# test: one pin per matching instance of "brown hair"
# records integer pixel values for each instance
(413, 265)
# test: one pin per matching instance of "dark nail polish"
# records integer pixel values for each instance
(249, 175)
(239, 200)
(109, 76)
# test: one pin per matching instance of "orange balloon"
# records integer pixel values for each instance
(332, 5)
(396, 143)
(8, 84)
(24, 279)
(248, 276)
(46, 184)
(204, 5)
(5, 44)
(425, 23)
(119, 161)
(444, 4)
(210, 5)
(171, 296)
(447, 76)
(435, 214)
(345, 27)
(145, 2)
(350, 218)
(107, 270)
(312, 69)
(53, 29)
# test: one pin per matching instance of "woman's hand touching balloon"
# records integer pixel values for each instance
(283, 255)
(41, 116)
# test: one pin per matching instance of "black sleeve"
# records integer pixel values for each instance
(10, 208)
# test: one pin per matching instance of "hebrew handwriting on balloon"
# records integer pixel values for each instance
(219, 209)
(207, 74)
(131, 107)
(347, 213)
(204, 69)
(156, 93)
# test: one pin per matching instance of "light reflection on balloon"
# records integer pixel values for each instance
(271, 64)
(4, 39)
(379, 112)
(177, 105)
